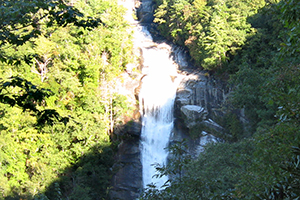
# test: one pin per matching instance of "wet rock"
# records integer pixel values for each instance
(145, 11)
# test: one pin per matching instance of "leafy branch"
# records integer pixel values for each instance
(21, 20)
(21, 93)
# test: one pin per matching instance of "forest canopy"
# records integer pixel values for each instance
(58, 104)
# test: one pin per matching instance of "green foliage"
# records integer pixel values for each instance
(289, 187)
(19, 92)
(272, 149)
(290, 16)
(254, 68)
(21, 20)
(242, 39)
(28, 95)
(233, 127)
(58, 101)
(175, 15)
(222, 166)
(213, 175)
(212, 30)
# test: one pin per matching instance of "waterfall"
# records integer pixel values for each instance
(156, 98)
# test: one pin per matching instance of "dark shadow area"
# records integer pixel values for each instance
(260, 48)
(126, 181)
(86, 179)
(253, 67)
(105, 172)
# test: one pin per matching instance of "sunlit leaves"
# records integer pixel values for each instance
(242, 38)
(22, 20)
(212, 30)
(54, 132)
(20, 92)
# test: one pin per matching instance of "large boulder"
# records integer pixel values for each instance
(193, 114)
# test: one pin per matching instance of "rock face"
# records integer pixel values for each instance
(198, 102)
(198, 89)
(145, 11)
(127, 180)
(197, 105)
(127, 170)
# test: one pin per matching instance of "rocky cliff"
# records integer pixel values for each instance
(197, 108)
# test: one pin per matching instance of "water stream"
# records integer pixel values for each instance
(156, 98)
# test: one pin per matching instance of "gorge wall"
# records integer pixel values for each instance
(198, 104)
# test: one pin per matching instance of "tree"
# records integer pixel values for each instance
(290, 16)
(55, 117)
(240, 39)
(212, 30)
(22, 20)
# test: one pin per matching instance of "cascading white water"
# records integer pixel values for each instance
(156, 97)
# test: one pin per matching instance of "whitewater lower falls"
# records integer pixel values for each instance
(173, 100)
(157, 95)
(157, 92)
